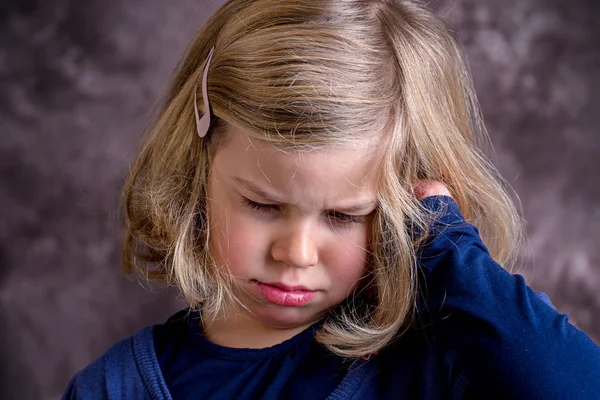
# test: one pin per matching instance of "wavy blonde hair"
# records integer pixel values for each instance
(304, 74)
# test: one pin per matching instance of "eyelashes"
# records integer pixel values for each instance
(335, 217)
(259, 206)
(347, 219)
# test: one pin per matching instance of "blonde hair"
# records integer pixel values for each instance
(312, 73)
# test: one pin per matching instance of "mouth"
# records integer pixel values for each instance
(283, 295)
(288, 288)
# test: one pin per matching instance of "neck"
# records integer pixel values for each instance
(237, 329)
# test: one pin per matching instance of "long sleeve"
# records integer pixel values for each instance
(508, 341)
(128, 370)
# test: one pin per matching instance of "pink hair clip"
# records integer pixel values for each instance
(202, 124)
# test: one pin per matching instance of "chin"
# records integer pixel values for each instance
(282, 317)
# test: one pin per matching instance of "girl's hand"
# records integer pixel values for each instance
(426, 188)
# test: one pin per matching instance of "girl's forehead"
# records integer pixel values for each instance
(330, 171)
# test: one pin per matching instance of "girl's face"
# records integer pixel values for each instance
(291, 228)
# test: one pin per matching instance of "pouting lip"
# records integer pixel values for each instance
(286, 287)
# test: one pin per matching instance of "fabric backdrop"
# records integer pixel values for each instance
(78, 79)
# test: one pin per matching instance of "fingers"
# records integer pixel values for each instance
(428, 188)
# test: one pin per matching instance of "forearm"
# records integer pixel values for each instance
(508, 340)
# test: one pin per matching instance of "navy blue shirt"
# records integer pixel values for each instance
(194, 367)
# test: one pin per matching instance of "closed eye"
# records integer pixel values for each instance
(259, 206)
(342, 218)
(334, 216)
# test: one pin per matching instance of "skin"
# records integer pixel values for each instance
(303, 235)
(425, 188)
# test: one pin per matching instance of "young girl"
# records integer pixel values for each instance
(315, 186)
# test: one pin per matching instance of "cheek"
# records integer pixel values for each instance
(347, 260)
(234, 240)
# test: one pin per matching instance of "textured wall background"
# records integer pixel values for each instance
(78, 79)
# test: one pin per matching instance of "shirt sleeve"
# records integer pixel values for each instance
(70, 393)
(127, 370)
(510, 342)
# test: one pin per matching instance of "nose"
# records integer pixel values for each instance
(296, 246)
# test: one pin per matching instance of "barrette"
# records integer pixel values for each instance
(202, 124)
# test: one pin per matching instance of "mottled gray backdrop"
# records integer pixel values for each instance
(78, 79)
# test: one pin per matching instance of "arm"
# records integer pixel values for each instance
(509, 342)
(128, 370)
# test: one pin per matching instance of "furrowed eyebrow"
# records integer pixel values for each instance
(367, 206)
(256, 190)
(358, 207)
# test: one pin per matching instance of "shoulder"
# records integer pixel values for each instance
(119, 372)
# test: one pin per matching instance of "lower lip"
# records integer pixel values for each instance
(288, 298)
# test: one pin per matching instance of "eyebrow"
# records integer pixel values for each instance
(256, 190)
(273, 199)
